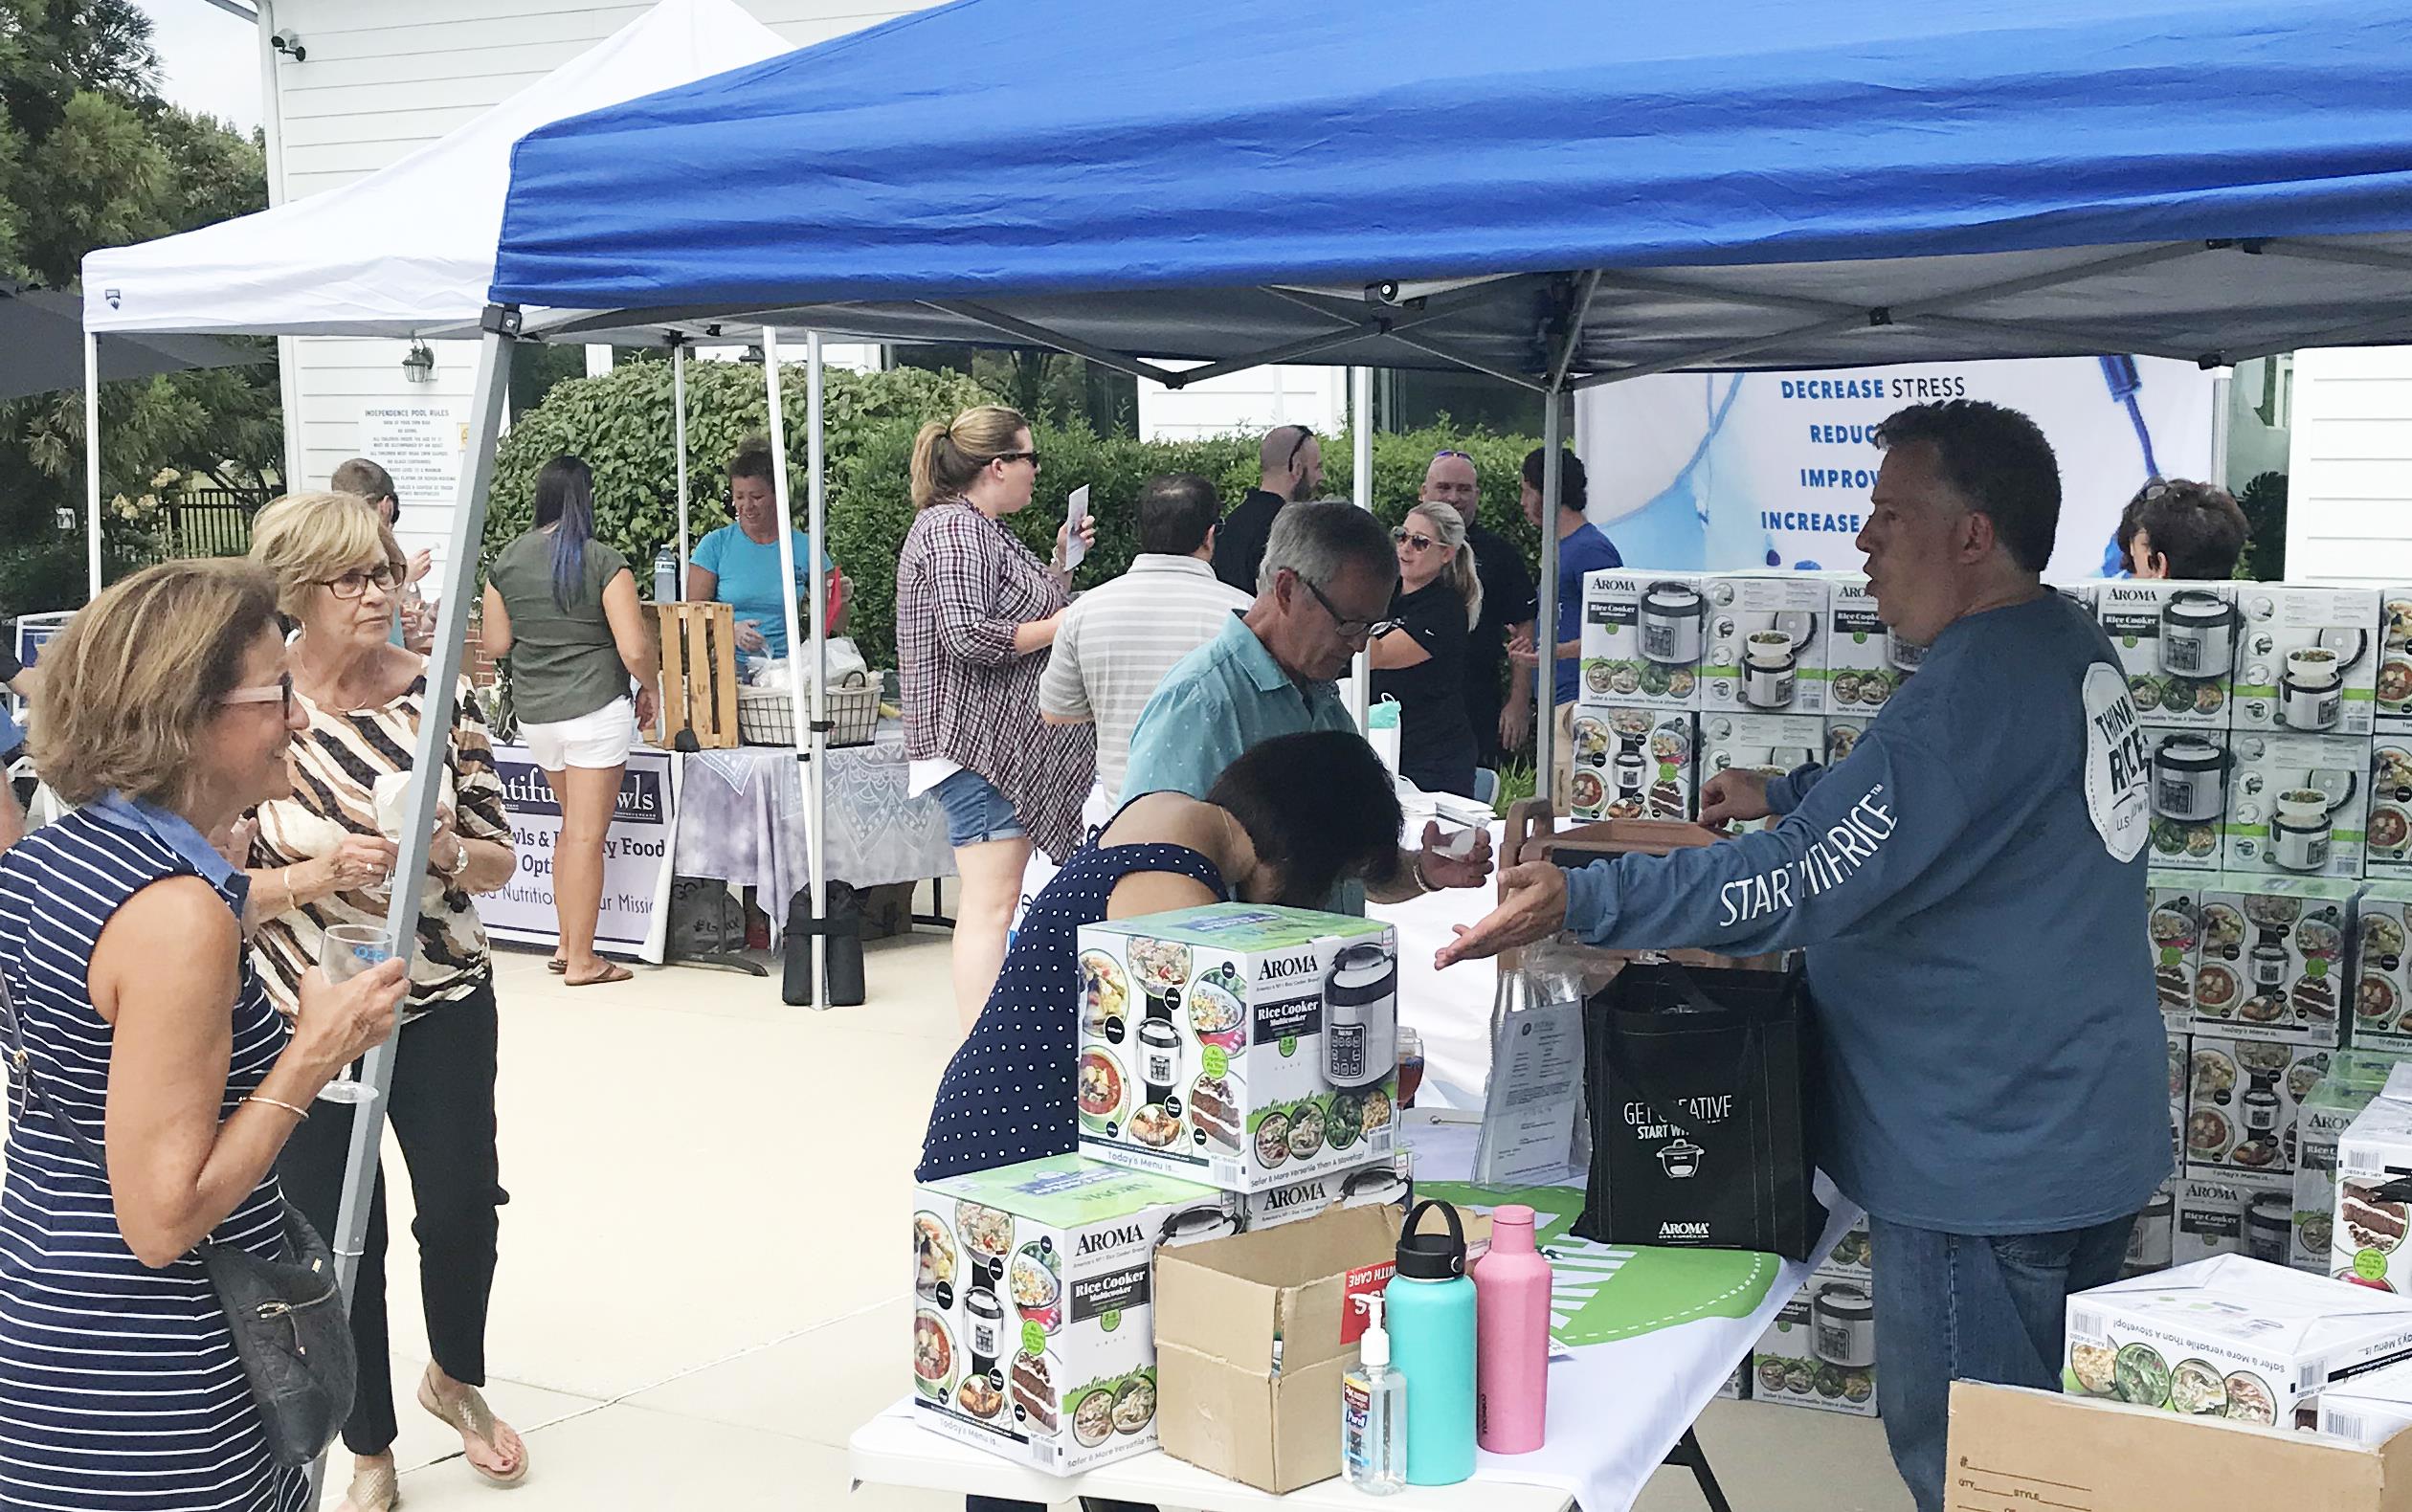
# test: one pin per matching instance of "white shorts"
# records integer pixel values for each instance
(600, 739)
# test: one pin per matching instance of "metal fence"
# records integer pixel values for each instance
(209, 523)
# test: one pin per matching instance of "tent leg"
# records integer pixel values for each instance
(459, 569)
(1361, 439)
(678, 407)
(92, 464)
(1546, 622)
(807, 738)
(2223, 387)
(816, 770)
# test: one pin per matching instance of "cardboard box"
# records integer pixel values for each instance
(1766, 652)
(2369, 1227)
(2174, 925)
(2191, 777)
(2148, 1242)
(1634, 764)
(2388, 836)
(1771, 744)
(2393, 683)
(1225, 1309)
(1032, 1335)
(1737, 1386)
(2229, 1212)
(2179, 644)
(2271, 963)
(1643, 636)
(2241, 1102)
(2180, 1073)
(1866, 663)
(2230, 1337)
(2354, 1079)
(2287, 625)
(2369, 1409)
(2382, 967)
(1820, 1350)
(1842, 734)
(1267, 1053)
(2014, 1450)
(2326, 776)
(1221, 1214)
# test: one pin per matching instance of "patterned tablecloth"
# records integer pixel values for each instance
(741, 819)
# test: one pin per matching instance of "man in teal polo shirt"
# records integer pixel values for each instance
(1328, 577)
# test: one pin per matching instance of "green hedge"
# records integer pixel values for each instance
(621, 424)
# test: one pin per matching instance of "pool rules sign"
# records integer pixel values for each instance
(636, 857)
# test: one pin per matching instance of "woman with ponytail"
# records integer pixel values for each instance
(1420, 657)
(976, 613)
(563, 606)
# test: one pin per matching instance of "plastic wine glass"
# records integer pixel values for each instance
(344, 951)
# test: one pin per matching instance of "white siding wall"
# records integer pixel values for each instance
(2349, 501)
(1255, 400)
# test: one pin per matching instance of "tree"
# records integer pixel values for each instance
(90, 156)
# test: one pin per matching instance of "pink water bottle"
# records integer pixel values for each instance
(1511, 1337)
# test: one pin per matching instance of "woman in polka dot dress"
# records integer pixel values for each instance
(1283, 824)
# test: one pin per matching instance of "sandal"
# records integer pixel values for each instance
(613, 971)
(471, 1417)
(556, 965)
(377, 1489)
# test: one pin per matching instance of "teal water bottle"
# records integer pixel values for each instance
(1429, 1308)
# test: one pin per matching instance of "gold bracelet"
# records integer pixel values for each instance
(303, 1114)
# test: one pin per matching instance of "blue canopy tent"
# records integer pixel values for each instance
(1550, 191)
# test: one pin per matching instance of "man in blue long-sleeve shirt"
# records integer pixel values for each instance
(1969, 884)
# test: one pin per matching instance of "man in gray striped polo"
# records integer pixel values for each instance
(1116, 642)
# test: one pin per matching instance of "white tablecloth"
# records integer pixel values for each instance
(1450, 1010)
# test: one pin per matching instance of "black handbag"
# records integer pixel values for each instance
(286, 1316)
(1697, 1083)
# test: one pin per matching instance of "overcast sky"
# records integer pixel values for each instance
(209, 61)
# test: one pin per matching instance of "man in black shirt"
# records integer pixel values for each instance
(1509, 608)
(1290, 468)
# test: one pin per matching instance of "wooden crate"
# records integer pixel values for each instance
(699, 673)
(1529, 837)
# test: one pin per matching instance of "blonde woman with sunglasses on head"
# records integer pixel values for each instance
(1418, 657)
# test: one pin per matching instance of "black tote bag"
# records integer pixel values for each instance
(1697, 1081)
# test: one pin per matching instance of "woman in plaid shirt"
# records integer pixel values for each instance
(975, 614)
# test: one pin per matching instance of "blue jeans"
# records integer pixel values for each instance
(1971, 1307)
(975, 811)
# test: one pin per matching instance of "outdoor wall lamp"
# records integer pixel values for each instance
(419, 367)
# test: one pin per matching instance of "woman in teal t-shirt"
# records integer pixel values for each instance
(738, 564)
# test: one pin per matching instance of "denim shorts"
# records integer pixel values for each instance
(975, 811)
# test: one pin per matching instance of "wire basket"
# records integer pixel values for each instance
(766, 716)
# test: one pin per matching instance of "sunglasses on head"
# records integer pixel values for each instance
(1464, 456)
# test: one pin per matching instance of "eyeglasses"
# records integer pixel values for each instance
(1401, 536)
(1348, 628)
(1032, 458)
(355, 583)
(279, 692)
(1304, 435)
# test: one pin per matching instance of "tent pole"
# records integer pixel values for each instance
(678, 406)
(1546, 622)
(92, 464)
(1361, 437)
(816, 770)
(797, 701)
(427, 767)
(2222, 384)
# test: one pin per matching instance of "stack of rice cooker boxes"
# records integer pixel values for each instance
(1820, 1351)
(1770, 744)
(1634, 735)
(1033, 1332)
(2230, 1337)
(1766, 646)
(1866, 662)
(1247, 1047)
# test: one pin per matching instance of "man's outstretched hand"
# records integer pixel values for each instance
(1533, 907)
(1733, 795)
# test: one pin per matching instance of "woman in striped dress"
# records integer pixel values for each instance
(169, 712)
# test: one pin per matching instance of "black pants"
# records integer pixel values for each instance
(442, 1112)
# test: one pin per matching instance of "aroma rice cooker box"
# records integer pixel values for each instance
(1219, 1215)
(1843, 736)
(2230, 1337)
(2241, 1101)
(1766, 647)
(1770, 744)
(1634, 763)
(2387, 838)
(2229, 1212)
(2354, 1079)
(2155, 1228)
(1643, 636)
(2392, 689)
(2369, 1409)
(2178, 643)
(2270, 961)
(1820, 1351)
(2189, 794)
(2374, 1199)
(2180, 1073)
(2298, 804)
(1866, 662)
(1031, 1330)
(2176, 926)
(2311, 657)
(1240, 1045)
(2383, 968)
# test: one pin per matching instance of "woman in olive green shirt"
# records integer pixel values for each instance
(563, 606)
